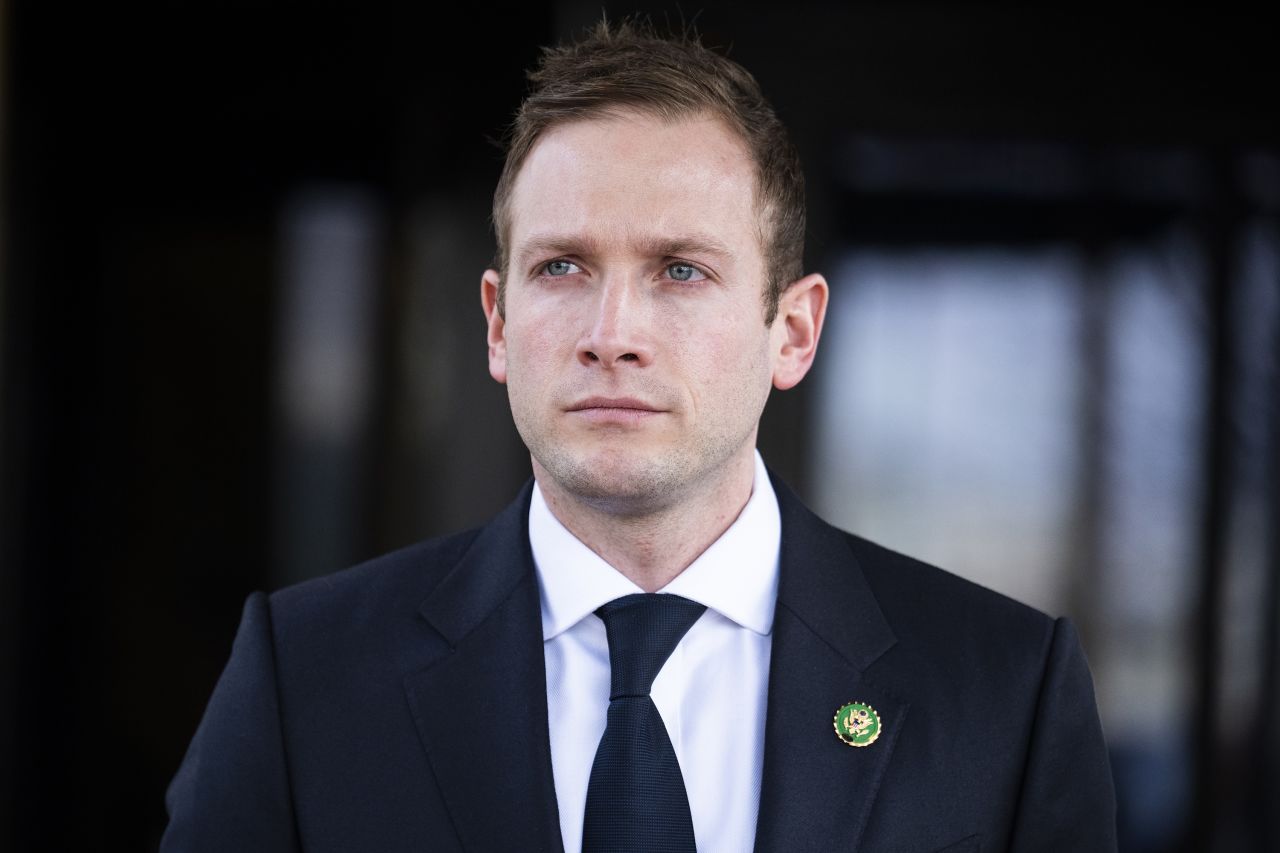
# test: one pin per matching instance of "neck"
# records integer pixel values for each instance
(652, 547)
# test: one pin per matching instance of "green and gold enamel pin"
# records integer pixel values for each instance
(857, 724)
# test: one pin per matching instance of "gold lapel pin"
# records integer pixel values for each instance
(857, 724)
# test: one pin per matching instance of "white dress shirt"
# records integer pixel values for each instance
(710, 693)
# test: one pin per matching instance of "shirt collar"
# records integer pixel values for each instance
(737, 576)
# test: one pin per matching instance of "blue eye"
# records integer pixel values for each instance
(684, 272)
(559, 268)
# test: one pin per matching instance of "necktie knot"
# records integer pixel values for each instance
(643, 630)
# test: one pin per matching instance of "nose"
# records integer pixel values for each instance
(618, 332)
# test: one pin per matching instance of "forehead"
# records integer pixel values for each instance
(637, 179)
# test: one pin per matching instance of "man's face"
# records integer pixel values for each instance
(632, 339)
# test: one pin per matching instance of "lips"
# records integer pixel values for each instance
(614, 404)
(614, 411)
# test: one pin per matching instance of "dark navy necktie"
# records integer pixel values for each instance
(636, 801)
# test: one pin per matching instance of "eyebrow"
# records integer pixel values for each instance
(697, 245)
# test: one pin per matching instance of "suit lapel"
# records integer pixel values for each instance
(817, 792)
(481, 707)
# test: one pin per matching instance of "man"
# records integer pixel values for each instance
(480, 692)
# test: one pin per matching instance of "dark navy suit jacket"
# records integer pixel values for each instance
(401, 705)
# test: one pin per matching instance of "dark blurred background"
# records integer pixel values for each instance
(241, 345)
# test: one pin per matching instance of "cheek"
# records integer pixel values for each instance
(533, 347)
(727, 365)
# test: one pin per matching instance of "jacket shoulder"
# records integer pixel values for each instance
(372, 594)
(900, 579)
(949, 619)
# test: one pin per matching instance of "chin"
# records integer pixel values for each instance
(617, 480)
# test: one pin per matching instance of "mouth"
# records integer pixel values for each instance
(622, 410)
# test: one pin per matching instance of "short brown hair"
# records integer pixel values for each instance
(627, 66)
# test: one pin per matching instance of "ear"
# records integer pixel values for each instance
(497, 325)
(796, 329)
